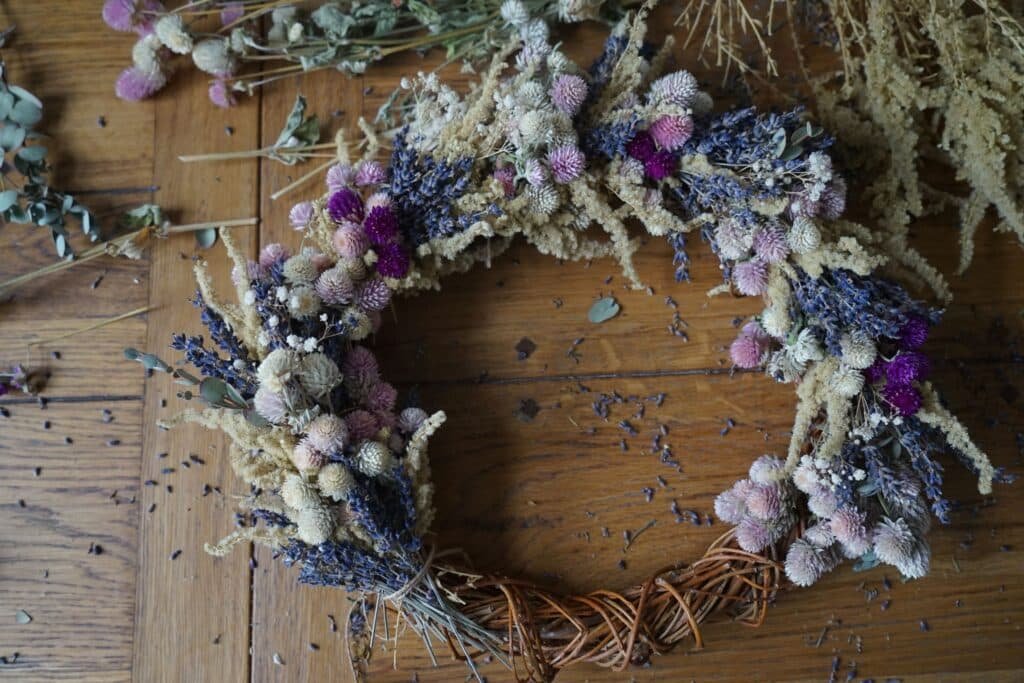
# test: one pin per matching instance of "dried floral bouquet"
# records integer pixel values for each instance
(544, 149)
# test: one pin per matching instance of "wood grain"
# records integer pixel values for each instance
(192, 613)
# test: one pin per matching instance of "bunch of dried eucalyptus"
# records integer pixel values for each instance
(917, 80)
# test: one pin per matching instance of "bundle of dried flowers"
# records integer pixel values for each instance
(283, 39)
(918, 80)
(545, 149)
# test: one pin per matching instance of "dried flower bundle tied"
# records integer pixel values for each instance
(257, 42)
(545, 149)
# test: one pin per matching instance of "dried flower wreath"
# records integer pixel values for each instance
(541, 148)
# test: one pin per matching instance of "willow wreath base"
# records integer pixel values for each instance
(543, 149)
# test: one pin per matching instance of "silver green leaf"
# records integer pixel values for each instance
(603, 309)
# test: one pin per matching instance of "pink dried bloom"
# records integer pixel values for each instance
(641, 147)
(320, 261)
(378, 199)
(536, 173)
(671, 132)
(806, 478)
(370, 173)
(822, 503)
(806, 563)
(273, 253)
(833, 200)
(270, 406)
(894, 541)
(231, 12)
(904, 398)
(134, 84)
(567, 163)
(771, 245)
(334, 287)
(410, 419)
(345, 205)
(568, 93)
(764, 469)
(381, 398)
(747, 352)
(678, 88)
(751, 277)
(764, 502)
(381, 225)
(392, 260)
(300, 215)
(119, 14)
(328, 434)
(506, 175)
(918, 560)
(360, 367)
(362, 425)
(350, 241)
(374, 295)
(847, 523)
(221, 95)
(306, 457)
(819, 535)
(729, 507)
(385, 418)
(753, 535)
(340, 176)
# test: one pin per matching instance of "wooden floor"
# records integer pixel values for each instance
(525, 497)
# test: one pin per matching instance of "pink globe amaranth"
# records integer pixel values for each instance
(847, 524)
(568, 93)
(641, 147)
(729, 507)
(345, 205)
(374, 295)
(747, 352)
(334, 287)
(350, 241)
(360, 366)
(381, 398)
(134, 84)
(306, 457)
(567, 163)
(370, 173)
(410, 419)
(273, 253)
(750, 277)
(770, 244)
(231, 12)
(506, 175)
(904, 398)
(805, 562)
(220, 94)
(380, 225)
(393, 260)
(339, 176)
(764, 502)
(119, 14)
(362, 425)
(753, 535)
(300, 215)
(671, 132)
(660, 165)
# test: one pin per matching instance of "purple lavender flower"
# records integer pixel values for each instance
(381, 225)
(392, 260)
(907, 367)
(914, 333)
(567, 163)
(345, 204)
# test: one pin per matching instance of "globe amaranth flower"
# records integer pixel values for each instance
(273, 253)
(847, 524)
(300, 215)
(370, 173)
(350, 241)
(318, 374)
(270, 405)
(381, 398)
(858, 350)
(506, 175)
(361, 425)
(764, 502)
(893, 540)
(380, 225)
(764, 469)
(914, 333)
(751, 277)
(671, 132)
(876, 371)
(660, 165)
(753, 535)
(360, 366)
(678, 88)
(335, 481)
(748, 351)
(567, 163)
(374, 459)
(907, 367)
(305, 457)
(171, 31)
(731, 504)
(214, 56)
(119, 14)
(345, 205)
(806, 562)
(846, 381)
(328, 433)
(335, 287)
(568, 91)
(340, 176)
(134, 84)
(374, 295)
(770, 244)
(641, 147)
(804, 236)
(410, 419)
(904, 398)
(392, 260)
(220, 94)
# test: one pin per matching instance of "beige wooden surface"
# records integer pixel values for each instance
(525, 498)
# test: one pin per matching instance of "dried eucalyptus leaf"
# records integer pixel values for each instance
(213, 391)
(8, 198)
(25, 95)
(6, 104)
(25, 113)
(206, 237)
(22, 617)
(132, 353)
(254, 418)
(33, 154)
(603, 309)
(12, 137)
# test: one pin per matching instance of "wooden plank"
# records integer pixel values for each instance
(85, 494)
(192, 616)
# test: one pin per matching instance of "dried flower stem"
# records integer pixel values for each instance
(90, 328)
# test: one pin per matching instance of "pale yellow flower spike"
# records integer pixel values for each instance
(934, 414)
